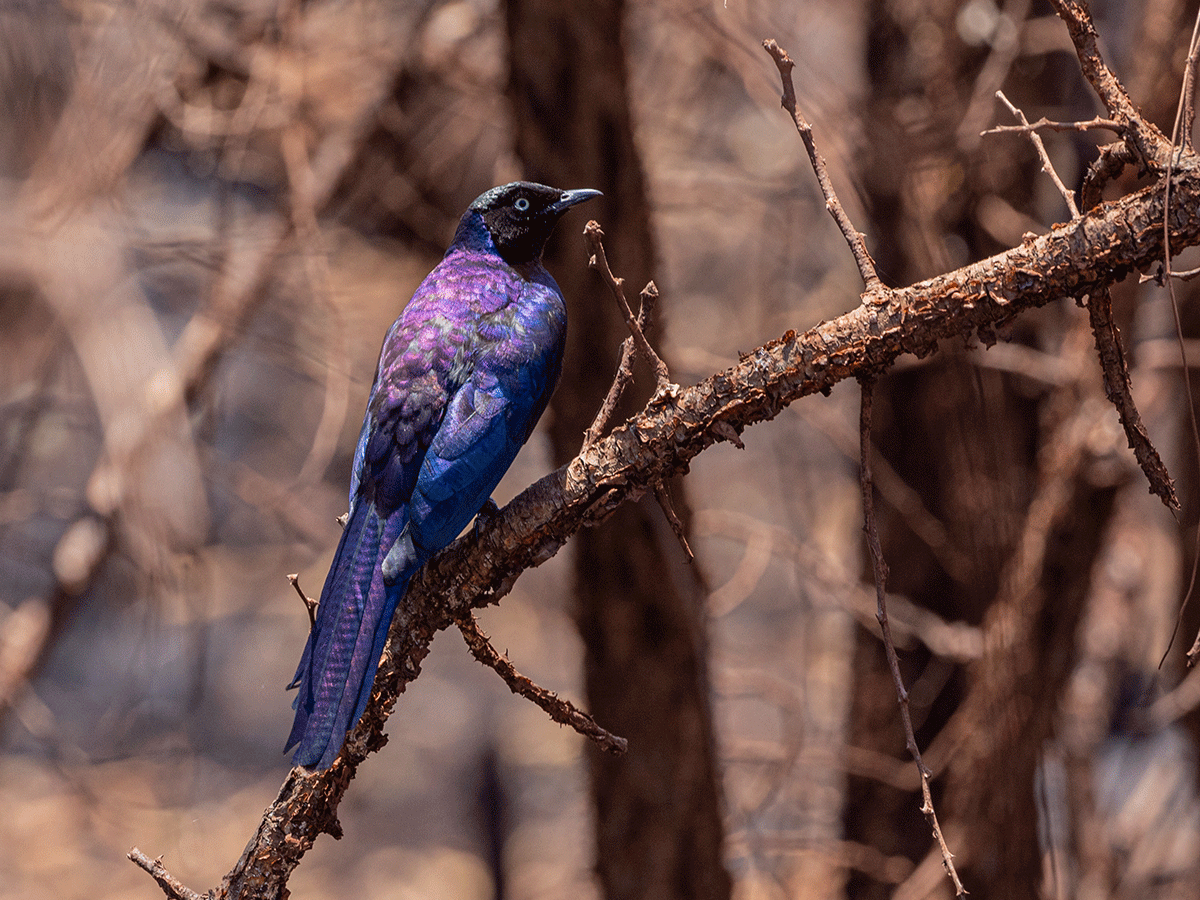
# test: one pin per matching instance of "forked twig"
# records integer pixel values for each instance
(881, 573)
(637, 338)
(624, 374)
(1047, 166)
(599, 262)
(562, 711)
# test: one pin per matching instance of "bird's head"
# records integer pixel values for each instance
(520, 216)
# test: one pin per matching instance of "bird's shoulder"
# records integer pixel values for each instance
(473, 282)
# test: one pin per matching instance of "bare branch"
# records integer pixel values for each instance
(1111, 161)
(170, 885)
(1079, 257)
(562, 711)
(854, 237)
(881, 573)
(599, 262)
(624, 375)
(1149, 143)
(1184, 116)
(1119, 392)
(664, 500)
(1028, 127)
(1047, 166)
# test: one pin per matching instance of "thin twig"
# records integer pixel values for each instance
(1185, 275)
(558, 709)
(170, 885)
(624, 374)
(854, 237)
(1047, 166)
(1184, 116)
(1028, 127)
(1120, 394)
(881, 573)
(664, 500)
(310, 605)
(599, 262)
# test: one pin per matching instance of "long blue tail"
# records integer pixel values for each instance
(339, 662)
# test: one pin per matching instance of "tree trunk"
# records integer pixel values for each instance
(640, 603)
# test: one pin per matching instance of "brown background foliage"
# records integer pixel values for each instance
(212, 211)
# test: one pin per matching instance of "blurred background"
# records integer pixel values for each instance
(210, 212)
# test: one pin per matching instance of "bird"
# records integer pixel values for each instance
(464, 374)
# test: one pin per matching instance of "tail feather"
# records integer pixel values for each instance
(339, 662)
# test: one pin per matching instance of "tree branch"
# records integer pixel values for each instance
(561, 711)
(1078, 258)
(854, 238)
(1147, 141)
(880, 570)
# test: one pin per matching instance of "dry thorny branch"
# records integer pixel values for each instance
(1081, 258)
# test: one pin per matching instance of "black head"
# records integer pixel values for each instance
(520, 216)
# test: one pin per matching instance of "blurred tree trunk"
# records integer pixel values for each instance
(974, 443)
(640, 603)
(990, 455)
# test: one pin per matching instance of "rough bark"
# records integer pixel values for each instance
(478, 569)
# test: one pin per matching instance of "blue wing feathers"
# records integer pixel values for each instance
(463, 377)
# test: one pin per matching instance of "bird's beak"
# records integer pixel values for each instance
(570, 198)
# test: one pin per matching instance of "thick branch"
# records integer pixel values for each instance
(1150, 143)
(1120, 393)
(1079, 258)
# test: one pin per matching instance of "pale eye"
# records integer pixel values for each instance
(521, 205)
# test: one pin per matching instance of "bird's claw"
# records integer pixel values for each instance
(488, 512)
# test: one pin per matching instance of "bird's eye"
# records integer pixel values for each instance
(521, 204)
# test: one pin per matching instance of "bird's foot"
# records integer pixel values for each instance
(486, 514)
